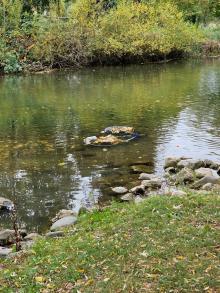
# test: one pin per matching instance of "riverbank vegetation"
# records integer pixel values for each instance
(39, 34)
(164, 244)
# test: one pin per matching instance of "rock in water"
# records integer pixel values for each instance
(119, 190)
(171, 162)
(147, 176)
(185, 175)
(63, 223)
(119, 130)
(90, 140)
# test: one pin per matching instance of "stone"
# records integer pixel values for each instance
(147, 176)
(190, 164)
(90, 140)
(55, 234)
(170, 170)
(138, 189)
(211, 164)
(138, 169)
(63, 213)
(153, 183)
(185, 175)
(25, 245)
(63, 223)
(171, 162)
(216, 188)
(127, 197)
(119, 190)
(138, 199)
(178, 192)
(207, 179)
(6, 203)
(207, 186)
(5, 252)
(119, 130)
(7, 236)
(32, 237)
(202, 172)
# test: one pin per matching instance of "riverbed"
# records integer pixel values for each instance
(44, 118)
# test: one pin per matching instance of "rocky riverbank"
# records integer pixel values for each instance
(181, 175)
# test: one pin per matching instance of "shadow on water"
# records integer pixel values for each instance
(44, 118)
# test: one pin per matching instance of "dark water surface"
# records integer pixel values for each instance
(44, 165)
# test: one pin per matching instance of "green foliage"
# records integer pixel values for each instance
(61, 33)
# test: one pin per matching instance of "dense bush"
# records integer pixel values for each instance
(75, 32)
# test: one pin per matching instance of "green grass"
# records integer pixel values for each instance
(165, 244)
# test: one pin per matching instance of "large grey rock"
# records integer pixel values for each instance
(147, 176)
(7, 236)
(171, 162)
(185, 175)
(6, 203)
(5, 252)
(207, 179)
(32, 237)
(127, 197)
(190, 164)
(153, 183)
(119, 190)
(202, 172)
(63, 213)
(64, 222)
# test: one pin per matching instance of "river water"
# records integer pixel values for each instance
(44, 165)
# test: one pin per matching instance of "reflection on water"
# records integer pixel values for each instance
(43, 119)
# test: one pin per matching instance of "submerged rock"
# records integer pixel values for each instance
(147, 176)
(103, 140)
(138, 169)
(119, 190)
(64, 222)
(119, 130)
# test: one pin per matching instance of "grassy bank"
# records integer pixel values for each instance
(165, 244)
